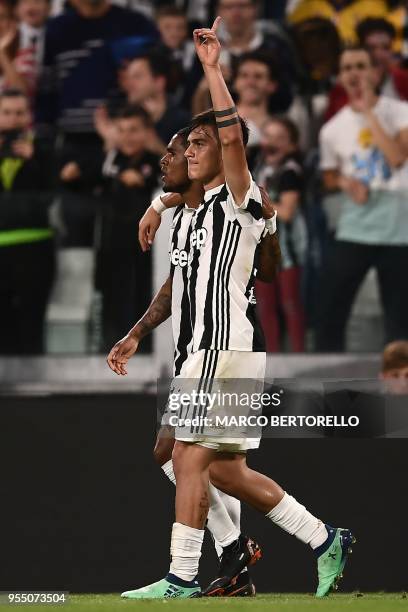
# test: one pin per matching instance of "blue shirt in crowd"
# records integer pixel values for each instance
(81, 61)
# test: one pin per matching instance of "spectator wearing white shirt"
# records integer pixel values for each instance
(364, 151)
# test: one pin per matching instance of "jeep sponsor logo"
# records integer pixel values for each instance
(182, 257)
(198, 238)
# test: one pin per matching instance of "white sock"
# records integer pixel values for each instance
(296, 520)
(233, 506)
(220, 523)
(224, 530)
(185, 550)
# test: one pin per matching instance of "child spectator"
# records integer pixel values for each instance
(279, 170)
(126, 178)
(394, 370)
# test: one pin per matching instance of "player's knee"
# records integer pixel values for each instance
(188, 460)
(226, 474)
(178, 457)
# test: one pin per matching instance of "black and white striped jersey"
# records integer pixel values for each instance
(217, 267)
(180, 307)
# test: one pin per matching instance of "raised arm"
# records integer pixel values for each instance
(229, 129)
(158, 312)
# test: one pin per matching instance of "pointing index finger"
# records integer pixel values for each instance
(216, 23)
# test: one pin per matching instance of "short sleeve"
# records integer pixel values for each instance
(252, 202)
(328, 156)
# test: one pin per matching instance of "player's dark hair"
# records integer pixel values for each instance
(13, 92)
(289, 126)
(183, 134)
(208, 118)
(135, 111)
(373, 25)
(261, 57)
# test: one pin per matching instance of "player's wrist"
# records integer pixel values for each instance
(158, 206)
(270, 224)
(135, 333)
(210, 69)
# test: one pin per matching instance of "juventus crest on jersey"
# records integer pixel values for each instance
(213, 255)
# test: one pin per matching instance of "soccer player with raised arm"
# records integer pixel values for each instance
(226, 342)
(224, 513)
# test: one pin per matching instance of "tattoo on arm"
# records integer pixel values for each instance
(158, 311)
(227, 123)
(225, 112)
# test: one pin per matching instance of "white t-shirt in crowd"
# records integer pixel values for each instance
(346, 144)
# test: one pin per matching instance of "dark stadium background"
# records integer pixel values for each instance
(85, 508)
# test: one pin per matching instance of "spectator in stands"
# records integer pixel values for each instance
(146, 84)
(9, 76)
(256, 82)
(126, 177)
(26, 238)
(83, 48)
(279, 170)
(377, 36)
(346, 14)
(240, 33)
(173, 28)
(179, 48)
(398, 17)
(394, 369)
(198, 12)
(318, 47)
(32, 16)
(364, 156)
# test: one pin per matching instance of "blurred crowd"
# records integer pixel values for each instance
(91, 91)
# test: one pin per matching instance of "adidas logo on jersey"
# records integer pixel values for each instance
(251, 296)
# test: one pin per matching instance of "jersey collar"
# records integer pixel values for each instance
(212, 192)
